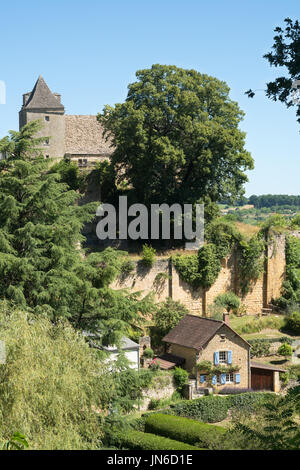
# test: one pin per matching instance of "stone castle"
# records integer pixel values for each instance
(77, 137)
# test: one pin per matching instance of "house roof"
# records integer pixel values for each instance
(84, 136)
(194, 332)
(126, 343)
(42, 97)
(260, 365)
(169, 361)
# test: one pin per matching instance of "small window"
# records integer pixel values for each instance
(223, 357)
(229, 378)
(47, 156)
(46, 141)
(47, 118)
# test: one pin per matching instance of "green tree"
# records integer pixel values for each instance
(53, 386)
(286, 53)
(285, 350)
(168, 315)
(273, 427)
(228, 300)
(177, 138)
(41, 264)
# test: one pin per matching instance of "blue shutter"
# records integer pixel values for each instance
(202, 379)
(237, 378)
(223, 379)
(214, 380)
(216, 358)
(229, 357)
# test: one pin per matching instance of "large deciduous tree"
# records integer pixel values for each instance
(177, 137)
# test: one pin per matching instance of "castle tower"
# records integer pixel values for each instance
(42, 104)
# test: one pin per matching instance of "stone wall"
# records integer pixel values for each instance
(164, 281)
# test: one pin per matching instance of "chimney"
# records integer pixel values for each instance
(226, 318)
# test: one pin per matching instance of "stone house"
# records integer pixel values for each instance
(198, 339)
(77, 137)
(198, 342)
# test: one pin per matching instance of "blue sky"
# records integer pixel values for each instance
(89, 51)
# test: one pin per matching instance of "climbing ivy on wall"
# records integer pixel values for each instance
(291, 286)
(203, 268)
(251, 261)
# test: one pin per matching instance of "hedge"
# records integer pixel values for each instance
(184, 429)
(211, 409)
(137, 440)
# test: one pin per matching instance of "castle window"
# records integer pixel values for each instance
(47, 118)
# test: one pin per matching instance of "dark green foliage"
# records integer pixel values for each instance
(188, 269)
(69, 173)
(42, 266)
(213, 409)
(222, 236)
(292, 322)
(137, 440)
(181, 377)
(129, 386)
(259, 348)
(208, 409)
(176, 137)
(168, 315)
(251, 261)
(185, 430)
(148, 353)
(249, 401)
(274, 426)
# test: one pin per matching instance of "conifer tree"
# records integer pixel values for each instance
(41, 266)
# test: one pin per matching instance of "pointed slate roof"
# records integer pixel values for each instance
(194, 332)
(42, 97)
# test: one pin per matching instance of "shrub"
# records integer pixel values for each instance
(154, 404)
(148, 353)
(228, 300)
(168, 315)
(248, 401)
(285, 350)
(233, 391)
(292, 322)
(155, 365)
(184, 429)
(148, 255)
(259, 348)
(180, 378)
(138, 440)
(211, 409)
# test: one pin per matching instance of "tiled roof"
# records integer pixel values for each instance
(193, 331)
(84, 136)
(260, 365)
(42, 97)
(169, 361)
